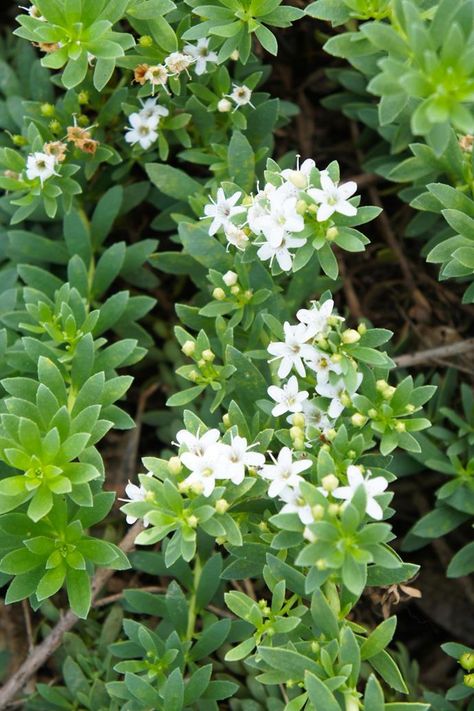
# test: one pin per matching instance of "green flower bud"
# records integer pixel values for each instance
(226, 420)
(372, 413)
(188, 348)
(469, 680)
(218, 294)
(298, 419)
(221, 506)
(235, 289)
(145, 41)
(318, 512)
(47, 110)
(208, 355)
(358, 419)
(174, 465)
(54, 126)
(362, 328)
(467, 661)
(330, 482)
(400, 426)
(83, 97)
(19, 140)
(230, 278)
(350, 336)
(332, 233)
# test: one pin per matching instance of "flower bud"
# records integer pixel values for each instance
(332, 233)
(301, 207)
(410, 408)
(263, 526)
(220, 540)
(308, 535)
(321, 564)
(235, 55)
(19, 140)
(193, 521)
(295, 432)
(400, 426)
(330, 435)
(83, 97)
(469, 680)
(345, 399)
(330, 482)
(208, 355)
(315, 647)
(145, 41)
(224, 105)
(298, 443)
(235, 289)
(467, 661)
(381, 385)
(352, 455)
(83, 120)
(182, 486)
(54, 126)
(318, 512)
(248, 294)
(193, 376)
(174, 465)
(350, 336)
(362, 328)
(352, 703)
(226, 420)
(221, 506)
(218, 294)
(389, 392)
(358, 419)
(298, 179)
(201, 363)
(47, 110)
(298, 419)
(230, 278)
(333, 509)
(336, 357)
(188, 348)
(372, 413)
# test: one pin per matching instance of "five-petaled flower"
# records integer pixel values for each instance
(373, 487)
(332, 197)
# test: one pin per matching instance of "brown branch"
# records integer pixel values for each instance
(432, 354)
(41, 652)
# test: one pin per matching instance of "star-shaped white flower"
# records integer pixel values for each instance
(136, 492)
(281, 219)
(299, 178)
(204, 470)
(196, 445)
(152, 110)
(281, 252)
(332, 198)
(142, 130)
(295, 503)
(322, 365)
(373, 487)
(292, 350)
(316, 318)
(288, 398)
(222, 209)
(40, 165)
(284, 472)
(235, 457)
(201, 54)
(336, 391)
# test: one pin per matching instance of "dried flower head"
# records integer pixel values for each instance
(139, 74)
(56, 149)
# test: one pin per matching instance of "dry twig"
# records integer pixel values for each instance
(432, 354)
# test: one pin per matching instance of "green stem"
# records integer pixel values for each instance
(192, 602)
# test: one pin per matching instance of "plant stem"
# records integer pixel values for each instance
(192, 602)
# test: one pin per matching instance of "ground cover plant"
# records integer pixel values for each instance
(237, 419)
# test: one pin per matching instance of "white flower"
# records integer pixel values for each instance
(299, 178)
(292, 350)
(235, 457)
(136, 493)
(157, 75)
(141, 130)
(241, 95)
(337, 392)
(315, 418)
(33, 12)
(280, 252)
(255, 213)
(284, 472)
(40, 165)
(236, 236)
(322, 365)
(201, 54)
(222, 209)
(288, 398)
(316, 319)
(281, 219)
(176, 62)
(204, 469)
(333, 198)
(196, 445)
(294, 503)
(151, 110)
(373, 487)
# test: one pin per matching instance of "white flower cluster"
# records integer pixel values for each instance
(208, 459)
(143, 127)
(301, 351)
(41, 165)
(275, 215)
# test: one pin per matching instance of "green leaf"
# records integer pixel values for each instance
(171, 181)
(379, 638)
(241, 160)
(319, 694)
